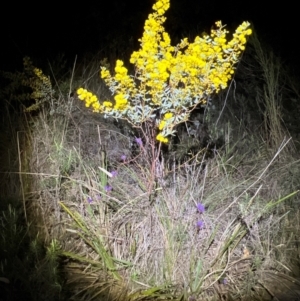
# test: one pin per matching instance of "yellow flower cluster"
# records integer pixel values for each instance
(92, 100)
(39, 83)
(44, 79)
(161, 6)
(168, 79)
(161, 138)
(165, 121)
(121, 102)
(89, 98)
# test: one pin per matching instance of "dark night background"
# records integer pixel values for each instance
(45, 29)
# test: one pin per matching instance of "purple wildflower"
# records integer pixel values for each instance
(139, 141)
(123, 158)
(200, 224)
(90, 200)
(224, 281)
(201, 208)
(107, 188)
(114, 173)
(98, 197)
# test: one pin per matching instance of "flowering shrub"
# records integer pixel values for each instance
(169, 81)
(39, 83)
(40, 87)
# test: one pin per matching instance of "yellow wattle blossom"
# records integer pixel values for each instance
(161, 138)
(107, 104)
(121, 102)
(162, 124)
(39, 83)
(168, 79)
(104, 73)
(89, 98)
(168, 116)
